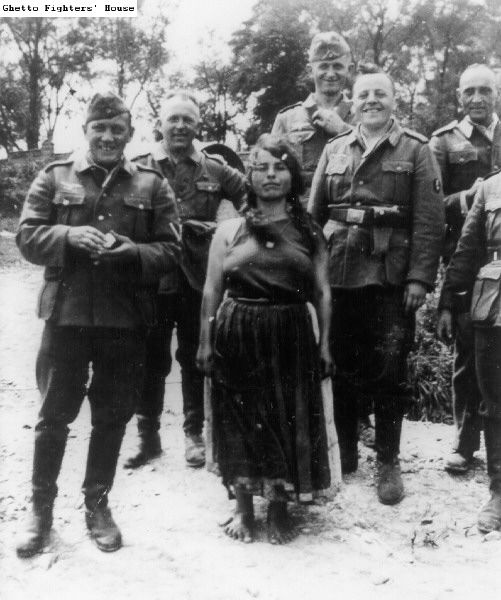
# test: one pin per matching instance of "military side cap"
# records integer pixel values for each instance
(105, 106)
(328, 45)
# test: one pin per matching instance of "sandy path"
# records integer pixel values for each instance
(352, 547)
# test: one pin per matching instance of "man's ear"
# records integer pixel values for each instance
(458, 96)
(131, 132)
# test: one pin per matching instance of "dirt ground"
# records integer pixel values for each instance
(350, 547)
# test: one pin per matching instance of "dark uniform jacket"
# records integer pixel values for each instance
(200, 182)
(464, 154)
(136, 202)
(382, 211)
(296, 124)
(477, 261)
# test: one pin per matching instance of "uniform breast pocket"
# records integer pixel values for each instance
(485, 297)
(208, 199)
(463, 168)
(493, 217)
(338, 176)
(137, 218)
(397, 181)
(69, 208)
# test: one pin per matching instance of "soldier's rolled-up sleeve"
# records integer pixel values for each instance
(427, 220)
(41, 240)
(470, 253)
(318, 203)
(279, 127)
(162, 253)
(234, 186)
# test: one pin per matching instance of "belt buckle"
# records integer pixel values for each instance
(354, 215)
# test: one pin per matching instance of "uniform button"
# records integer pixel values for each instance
(179, 199)
(66, 202)
(399, 168)
(461, 159)
(141, 206)
(358, 204)
(360, 182)
(355, 226)
(495, 167)
(100, 218)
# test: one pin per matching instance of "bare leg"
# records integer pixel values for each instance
(241, 525)
(280, 529)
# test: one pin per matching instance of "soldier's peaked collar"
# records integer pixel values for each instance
(159, 153)
(393, 134)
(84, 163)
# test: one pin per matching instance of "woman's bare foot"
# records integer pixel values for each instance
(280, 529)
(241, 525)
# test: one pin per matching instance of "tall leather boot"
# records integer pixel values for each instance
(104, 448)
(345, 418)
(390, 487)
(48, 456)
(150, 446)
(489, 518)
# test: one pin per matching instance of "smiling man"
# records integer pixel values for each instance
(200, 181)
(105, 231)
(466, 152)
(310, 124)
(377, 193)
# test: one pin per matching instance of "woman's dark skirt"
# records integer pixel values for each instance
(268, 418)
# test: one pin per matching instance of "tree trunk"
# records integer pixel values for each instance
(34, 75)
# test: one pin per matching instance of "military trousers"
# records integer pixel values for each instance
(371, 337)
(466, 395)
(113, 386)
(180, 310)
(488, 366)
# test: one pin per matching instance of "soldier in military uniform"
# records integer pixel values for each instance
(475, 269)
(200, 181)
(377, 193)
(466, 151)
(104, 229)
(310, 124)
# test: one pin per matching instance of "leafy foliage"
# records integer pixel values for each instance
(430, 367)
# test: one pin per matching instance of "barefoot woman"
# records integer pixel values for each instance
(258, 344)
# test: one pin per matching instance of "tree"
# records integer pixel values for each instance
(51, 52)
(132, 52)
(269, 59)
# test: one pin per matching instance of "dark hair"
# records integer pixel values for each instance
(279, 148)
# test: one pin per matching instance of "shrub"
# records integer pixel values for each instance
(430, 367)
(15, 179)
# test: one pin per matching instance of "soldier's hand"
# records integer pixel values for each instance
(329, 121)
(444, 325)
(125, 252)
(414, 296)
(474, 188)
(86, 239)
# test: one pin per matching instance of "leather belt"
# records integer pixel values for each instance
(370, 216)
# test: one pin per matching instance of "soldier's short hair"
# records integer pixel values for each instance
(182, 95)
(376, 71)
(474, 67)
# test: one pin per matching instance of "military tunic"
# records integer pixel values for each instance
(476, 266)
(382, 213)
(296, 123)
(96, 312)
(464, 153)
(200, 182)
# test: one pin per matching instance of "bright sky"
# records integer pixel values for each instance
(192, 21)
